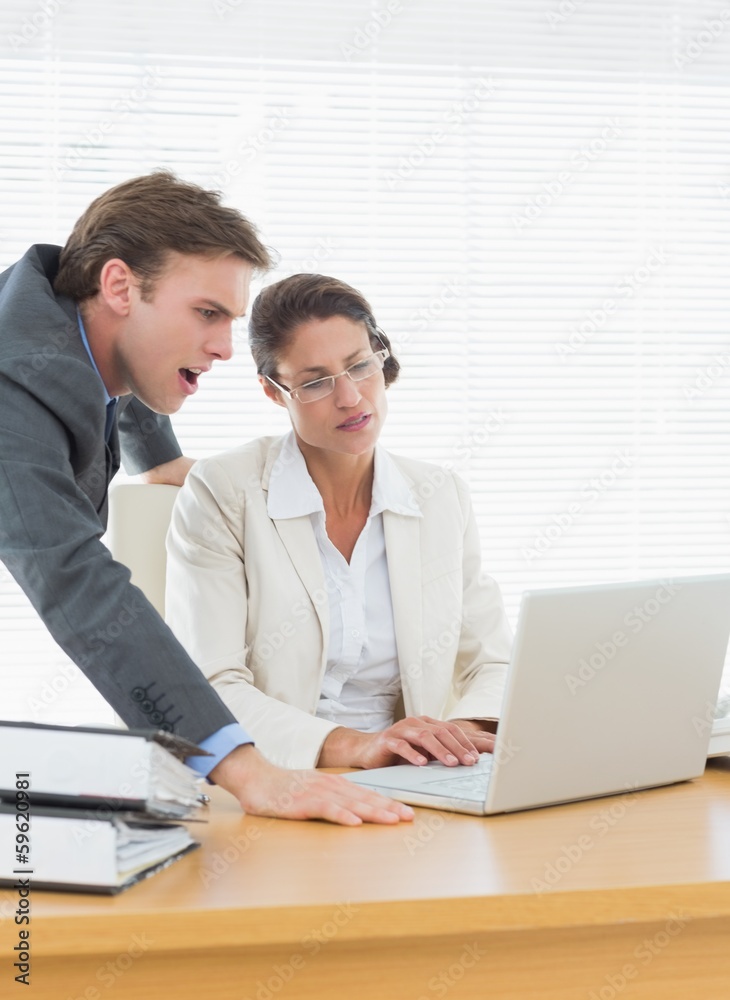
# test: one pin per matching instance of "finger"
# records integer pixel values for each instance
(375, 808)
(339, 801)
(441, 743)
(402, 748)
(473, 741)
(353, 812)
(483, 741)
(365, 798)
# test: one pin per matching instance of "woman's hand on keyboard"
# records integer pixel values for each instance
(413, 740)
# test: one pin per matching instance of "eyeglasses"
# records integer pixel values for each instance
(310, 392)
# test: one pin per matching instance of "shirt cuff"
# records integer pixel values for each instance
(220, 745)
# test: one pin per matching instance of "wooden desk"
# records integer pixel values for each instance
(627, 896)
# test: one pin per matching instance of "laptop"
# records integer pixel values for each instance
(611, 688)
(718, 717)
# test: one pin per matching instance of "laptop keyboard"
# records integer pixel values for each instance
(469, 786)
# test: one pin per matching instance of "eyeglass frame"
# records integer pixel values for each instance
(290, 393)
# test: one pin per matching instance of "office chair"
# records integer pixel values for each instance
(139, 516)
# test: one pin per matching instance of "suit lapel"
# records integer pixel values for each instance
(403, 548)
(298, 539)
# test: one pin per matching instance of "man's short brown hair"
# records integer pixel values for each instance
(141, 221)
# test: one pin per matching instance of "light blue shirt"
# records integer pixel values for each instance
(220, 745)
(107, 398)
(229, 737)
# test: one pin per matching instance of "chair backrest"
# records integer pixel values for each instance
(139, 516)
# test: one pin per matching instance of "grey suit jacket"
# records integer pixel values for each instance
(55, 469)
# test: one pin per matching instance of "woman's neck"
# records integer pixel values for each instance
(345, 482)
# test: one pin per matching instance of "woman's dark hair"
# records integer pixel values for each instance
(280, 308)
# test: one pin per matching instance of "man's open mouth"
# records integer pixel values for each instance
(191, 374)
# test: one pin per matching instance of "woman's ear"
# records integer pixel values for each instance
(271, 391)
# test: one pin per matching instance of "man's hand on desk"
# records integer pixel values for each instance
(415, 740)
(266, 790)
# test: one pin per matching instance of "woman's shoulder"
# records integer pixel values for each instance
(238, 464)
(419, 471)
(431, 485)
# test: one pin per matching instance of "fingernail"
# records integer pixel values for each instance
(450, 759)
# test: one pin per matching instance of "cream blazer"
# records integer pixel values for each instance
(246, 596)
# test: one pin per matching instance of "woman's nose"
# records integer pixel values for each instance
(347, 392)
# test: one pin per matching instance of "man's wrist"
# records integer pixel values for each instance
(235, 766)
(172, 473)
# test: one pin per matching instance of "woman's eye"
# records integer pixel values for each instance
(207, 313)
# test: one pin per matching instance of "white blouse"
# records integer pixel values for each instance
(362, 681)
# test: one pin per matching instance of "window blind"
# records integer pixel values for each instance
(534, 196)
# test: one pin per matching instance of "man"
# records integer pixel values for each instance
(97, 342)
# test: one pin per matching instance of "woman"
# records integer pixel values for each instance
(329, 590)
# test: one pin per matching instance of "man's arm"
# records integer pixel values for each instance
(51, 544)
(171, 473)
(50, 541)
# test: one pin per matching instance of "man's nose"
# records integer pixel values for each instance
(220, 345)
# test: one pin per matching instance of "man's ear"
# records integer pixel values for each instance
(118, 286)
(271, 391)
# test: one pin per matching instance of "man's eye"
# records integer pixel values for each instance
(361, 366)
(207, 313)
